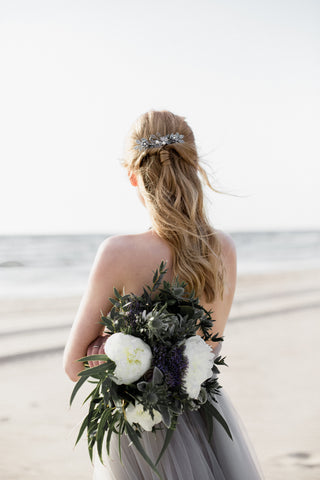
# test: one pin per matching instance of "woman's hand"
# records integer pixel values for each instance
(97, 348)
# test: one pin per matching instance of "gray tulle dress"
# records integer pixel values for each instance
(190, 455)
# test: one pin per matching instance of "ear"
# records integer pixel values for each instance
(133, 179)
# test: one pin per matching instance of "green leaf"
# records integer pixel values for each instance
(166, 416)
(110, 431)
(108, 439)
(119, 445)
(93, 370)
(90, 448)
(203, 396)
(79, 383)
(114, 302)
(114, 395)
(117, 294)
(157, 376)
(108, 323)
(93, 393)
(167, 439)
(186, 310)
(209, 421)
(101, 357)
(119, 436)
(82, 428)
(212, 409)
(155, 276)
(101, 431)
(135, 440)
(220, 361)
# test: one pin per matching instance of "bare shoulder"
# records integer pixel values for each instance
(114, 242)
(124, 252)
(115, 249)
(111, 248)
(228, 245)
(123, 245)
(137, 255)
(229, 258)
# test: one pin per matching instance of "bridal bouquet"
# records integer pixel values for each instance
(155, 367)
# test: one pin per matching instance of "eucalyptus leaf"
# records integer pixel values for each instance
(219, 417)
(209, 421)
(101, 432)
(82, 428)
(102, 357)
(135, 440)
(92, 394)
(119, 439)
(117, 294)
(203, 397)
(142, 386)
(79, 383)
(166, 417)
(109, 324)
(157, 376)
(167, 439)
(94, 370)
(109, 434)
(114, 302)
(114, 395)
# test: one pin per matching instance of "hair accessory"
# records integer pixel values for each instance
(159, 140)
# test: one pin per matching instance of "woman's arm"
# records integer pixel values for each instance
(106, 273)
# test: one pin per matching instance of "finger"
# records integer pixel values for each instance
(90, 349)
(97, 348)
(91, 352)
(87, 355)
(101, 350)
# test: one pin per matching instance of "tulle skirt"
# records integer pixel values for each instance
(190, 455)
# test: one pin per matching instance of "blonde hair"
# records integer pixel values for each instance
(173, 193)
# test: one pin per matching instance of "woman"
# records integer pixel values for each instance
(163, 165)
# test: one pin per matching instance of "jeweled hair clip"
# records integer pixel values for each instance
(158, 140)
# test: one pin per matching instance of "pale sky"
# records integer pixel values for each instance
(76, 74)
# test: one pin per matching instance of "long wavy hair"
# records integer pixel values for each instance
(170, 180)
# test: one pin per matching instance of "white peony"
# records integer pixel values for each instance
(131, 355)
(137, 415)
(200, 362)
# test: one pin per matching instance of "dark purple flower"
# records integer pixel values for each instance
(171, 361)
(135, 308)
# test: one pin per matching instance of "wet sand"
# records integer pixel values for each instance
(271, 344)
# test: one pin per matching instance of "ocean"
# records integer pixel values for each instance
(58, 265)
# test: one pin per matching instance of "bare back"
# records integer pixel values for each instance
(127, 262)
(144, 253)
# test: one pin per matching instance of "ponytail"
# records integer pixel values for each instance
(173, 192)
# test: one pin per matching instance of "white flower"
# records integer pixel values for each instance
(137, 415)
(131, 355)
(200, 362)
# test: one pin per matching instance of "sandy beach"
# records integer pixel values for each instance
(271, 346)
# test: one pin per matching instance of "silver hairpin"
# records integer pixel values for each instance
(159, 140)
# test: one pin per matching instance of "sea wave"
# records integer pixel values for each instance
(59, 265)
